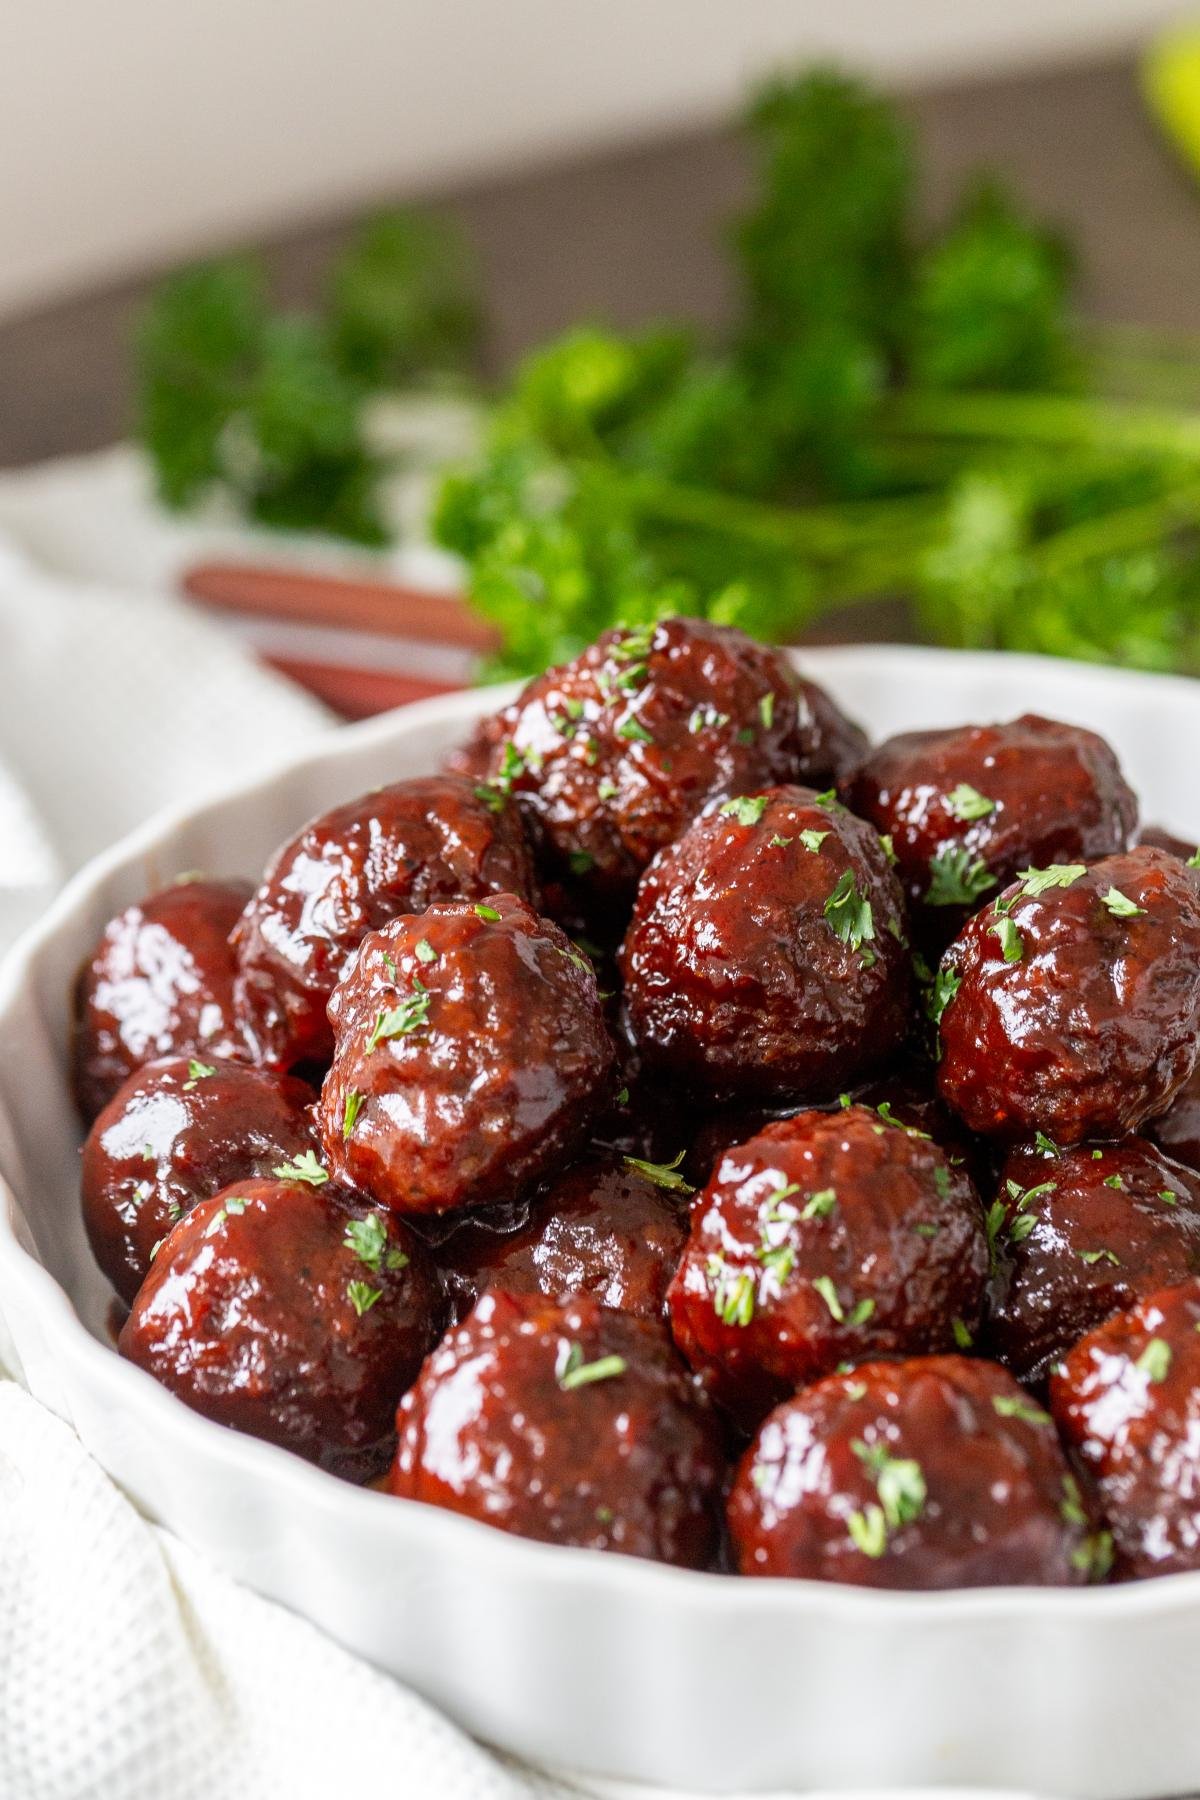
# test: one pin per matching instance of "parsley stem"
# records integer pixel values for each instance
(1059, 419)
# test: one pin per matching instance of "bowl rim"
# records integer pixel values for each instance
(436, 1530)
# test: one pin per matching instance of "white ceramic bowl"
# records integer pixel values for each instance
(568, 1657)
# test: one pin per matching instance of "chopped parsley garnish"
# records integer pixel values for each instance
(849, 914)
(1121, 906)
(1057, 875)
(1155, 1360)
(197, 1071)
(829, 1294)
(1045, 1144)
(707, 717)
(1071, 1506)
(607, 789)
(888, 847)
(410, 1015)
(302, 1168)
(354, 1105)
(747, 811)
(868, 1531)
(766, 710)
(1022, 1197)
(425, 951)
(1012, 944)
(488, 914)
(820, 1205)
(580, 861)
(962, 1335)
(781, 843)
(368, 1239)
(956, 877)
(494, 798)
(1012, 1406)
(1167, 1197)
(1094, 1557)
(946, 984)
(967, 803)
(855, 1390)
(812, 840)
(573, 1372)
(1114, 1181)
(663, 1175)
(362, 1296)
(900, 1485)
(1092, 1257)
(632, 729)
(1193, 861)
(733, 1292)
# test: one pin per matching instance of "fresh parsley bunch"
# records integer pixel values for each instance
(270, 408)
(893, 414)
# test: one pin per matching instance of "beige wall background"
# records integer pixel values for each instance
(136, 131)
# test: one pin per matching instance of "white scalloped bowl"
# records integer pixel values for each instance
(571, 1658)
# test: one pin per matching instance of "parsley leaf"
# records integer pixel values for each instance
(304, 1167)
(747, 811)
(1120, 906)
(957, 877)
(967, 803)
(411, 1014)
(849, 913)
(663, 1175)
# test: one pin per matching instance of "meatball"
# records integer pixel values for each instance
(830, 1237)
(1162, 839)
(966, 809)
(471, 1057)
(1177, 1131)
(176, 1132)
(612, 1227)
(292, 1313)
(159, 983)
(1072, 1003)
(766, 954)
(934, 1473)
(396, 850)
(1127, 1401)
(613, 754)
(1081, 1234)
(902, 1095)
(574, 1425)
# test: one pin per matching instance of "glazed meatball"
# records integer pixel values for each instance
(1162, 839)
(613, 754)
(471, 1057)
(905, 1095)
(159, 983)
(574, 1425)
(176, 1132)
(934, 1473)
(1072, 1003)
(291, 1313)
(830, 1237)
(396, 850)
(766, 953)
(1177, 1131)
(1127, 1401)
(612, 1227)
(1079, 1235)
(966, 809)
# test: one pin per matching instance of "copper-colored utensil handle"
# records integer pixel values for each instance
(317, 599)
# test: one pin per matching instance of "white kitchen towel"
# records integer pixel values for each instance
(131, 1670)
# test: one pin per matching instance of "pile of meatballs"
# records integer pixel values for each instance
(679, 1128)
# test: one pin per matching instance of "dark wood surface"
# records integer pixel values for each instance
(634, 235)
